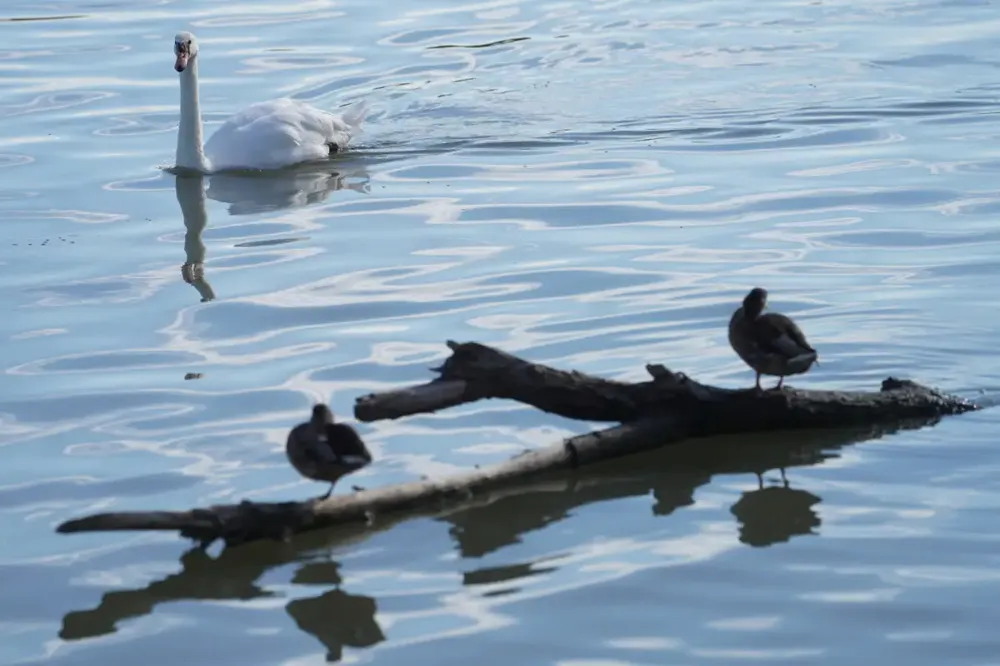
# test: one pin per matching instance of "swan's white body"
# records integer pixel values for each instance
(265, 135)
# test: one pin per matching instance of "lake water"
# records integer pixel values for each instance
(593, 185)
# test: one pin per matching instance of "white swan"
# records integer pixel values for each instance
(265, 135)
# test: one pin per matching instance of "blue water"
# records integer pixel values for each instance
(592, 185)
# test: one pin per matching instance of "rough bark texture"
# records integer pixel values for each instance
(666, 409)
(476, 371)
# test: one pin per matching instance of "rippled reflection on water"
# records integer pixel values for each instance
(591, 185)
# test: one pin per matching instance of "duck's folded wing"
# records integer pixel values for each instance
(780, 335)
(347, 446)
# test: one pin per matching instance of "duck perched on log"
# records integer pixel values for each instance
(770, 343)
(322, 450)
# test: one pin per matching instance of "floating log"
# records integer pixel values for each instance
(666, 409)
(659, 482)
(476, 372)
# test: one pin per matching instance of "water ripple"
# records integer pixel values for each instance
(592, 185)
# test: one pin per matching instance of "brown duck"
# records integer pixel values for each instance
(771, 343)
(322, 450)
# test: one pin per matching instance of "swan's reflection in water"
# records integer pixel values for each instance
(338, 618)
(252, 193)
(255, 192)
(190, 191)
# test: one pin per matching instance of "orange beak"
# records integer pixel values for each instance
(182, 61)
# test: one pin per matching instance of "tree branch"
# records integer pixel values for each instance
(666, 409)
(475, 371)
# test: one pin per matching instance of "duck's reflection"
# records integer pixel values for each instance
(199, 578)
(671, 476)
(335, 618)
(249, 193)
(775, 514)
(338, 618)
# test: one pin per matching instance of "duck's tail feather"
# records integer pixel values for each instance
(803, 360)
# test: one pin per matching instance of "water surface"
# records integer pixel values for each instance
(592, 185)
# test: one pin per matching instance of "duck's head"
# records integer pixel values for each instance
(755, 302)
(185, 48)
(321, 415)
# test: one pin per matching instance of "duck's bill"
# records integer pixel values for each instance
(182, 62)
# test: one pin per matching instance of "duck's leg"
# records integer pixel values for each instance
(757, 383)
(781, 380)
(328, 493)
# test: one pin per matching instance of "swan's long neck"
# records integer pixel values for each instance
(190, 142)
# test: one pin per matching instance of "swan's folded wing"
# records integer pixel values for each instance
(322, 128)
(276, 133)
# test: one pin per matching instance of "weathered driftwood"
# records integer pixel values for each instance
(659, 482)
(475, 371)
(664, 410)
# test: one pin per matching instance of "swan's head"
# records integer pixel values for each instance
(185, 48)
